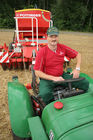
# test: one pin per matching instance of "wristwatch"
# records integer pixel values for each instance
(78, 68)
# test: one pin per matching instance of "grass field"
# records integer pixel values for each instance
(82, 42)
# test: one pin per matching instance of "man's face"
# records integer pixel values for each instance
(52, 40)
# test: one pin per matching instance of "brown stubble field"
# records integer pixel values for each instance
(82, 42)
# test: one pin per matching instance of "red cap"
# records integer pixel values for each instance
(58, 105)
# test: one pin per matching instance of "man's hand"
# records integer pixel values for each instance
(57, 79)
(75, 73)
(48, 77)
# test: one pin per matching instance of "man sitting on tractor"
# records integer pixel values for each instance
(49, 66)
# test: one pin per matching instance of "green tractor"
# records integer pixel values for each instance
(68, 117)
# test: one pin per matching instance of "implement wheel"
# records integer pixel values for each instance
(10, 66)
(21, 66)
(4, 66)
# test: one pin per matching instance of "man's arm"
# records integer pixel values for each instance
(76, 71)
(47, 77)
(78, 57)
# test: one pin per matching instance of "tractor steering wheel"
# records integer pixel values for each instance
(63, 93)
(69, 81)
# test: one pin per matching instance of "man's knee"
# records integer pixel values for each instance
(45, 90)
(46, 97)
(86, 85)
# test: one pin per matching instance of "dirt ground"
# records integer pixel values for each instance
(82, 42)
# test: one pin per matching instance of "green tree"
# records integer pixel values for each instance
(67, 14)
(72, 15)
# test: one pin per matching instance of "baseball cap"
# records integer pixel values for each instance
(52, 31)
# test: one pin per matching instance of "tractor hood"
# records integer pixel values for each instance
(72, 122)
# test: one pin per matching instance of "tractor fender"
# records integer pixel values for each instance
(20, 108)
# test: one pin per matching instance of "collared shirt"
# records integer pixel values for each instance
(51, 62)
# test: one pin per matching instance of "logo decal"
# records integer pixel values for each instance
(61, 53)
(51, 135)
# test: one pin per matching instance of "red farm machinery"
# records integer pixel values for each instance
(29, 36)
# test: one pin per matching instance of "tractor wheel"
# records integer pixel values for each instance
(18, 138)
(34, 83)
(4, 66)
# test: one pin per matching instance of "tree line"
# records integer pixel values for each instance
(66, 14)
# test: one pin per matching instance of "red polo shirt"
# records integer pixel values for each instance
(51, 62)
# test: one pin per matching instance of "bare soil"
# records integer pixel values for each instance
(82, 42)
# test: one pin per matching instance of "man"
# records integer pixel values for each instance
(49, 66)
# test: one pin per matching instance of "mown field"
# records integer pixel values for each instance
(82, 42)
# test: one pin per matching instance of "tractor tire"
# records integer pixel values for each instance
(4, 66)
(18, 138)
